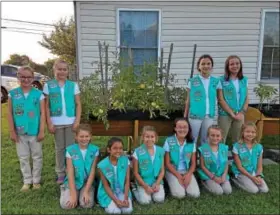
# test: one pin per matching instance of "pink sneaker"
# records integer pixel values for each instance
(60, 180)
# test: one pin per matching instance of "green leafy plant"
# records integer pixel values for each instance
(129, 88)
(265, 92)
(93, 100)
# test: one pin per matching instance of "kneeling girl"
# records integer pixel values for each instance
(114, 170)
(148, 168)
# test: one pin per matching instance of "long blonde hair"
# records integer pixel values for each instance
(246, 125)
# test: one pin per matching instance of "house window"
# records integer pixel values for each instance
(139, 31)
(269, 64)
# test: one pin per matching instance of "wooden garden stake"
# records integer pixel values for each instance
(101, 66)
(160, 66)
(167, 73)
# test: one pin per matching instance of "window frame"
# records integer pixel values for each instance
(144, 10)
(261, 44)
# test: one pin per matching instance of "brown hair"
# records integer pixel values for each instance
(58, 61)
(149, 128)
(28, 68)
(189, 137)
(84, 127)
(203, 57)
(227, 72)
(214, 127)
(246, 125)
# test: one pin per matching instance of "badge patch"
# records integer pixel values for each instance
(31, 114)
(52, 85)
(225, 83)
(20, 129)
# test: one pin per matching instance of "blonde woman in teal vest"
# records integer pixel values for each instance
(213, 167)
(201, 99)
(26, 118)
(148, 168)
(247, 164)
(113, 191)
(63, 113)
(180, 161)
(233, 98)
(81, 159)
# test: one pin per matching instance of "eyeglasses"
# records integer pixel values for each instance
(25, 77)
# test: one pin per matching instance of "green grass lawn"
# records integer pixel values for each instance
(46, 200)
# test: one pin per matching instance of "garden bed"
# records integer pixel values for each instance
(273, 112)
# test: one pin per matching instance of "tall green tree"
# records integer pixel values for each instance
(20, 60)
(23, 60)
(61, 41)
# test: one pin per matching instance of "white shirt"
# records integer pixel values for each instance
(236, 86)
(26, 94)
(152, 156)
(182, 164)
(63, 119)
(205, 82)
(117, 186)
(216, 154)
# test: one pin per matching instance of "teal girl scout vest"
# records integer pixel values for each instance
(230, 95)
(217, 167)
(174, 152)
(82, 167)
(26, 111)
(55, 98)
(108, 171)
(149, 170)
(249, 161)
(198, 97)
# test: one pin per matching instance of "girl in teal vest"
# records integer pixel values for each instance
(233, 98)
(213, 168)
(26, 117)
(247, 164)
(201, 99)
(114, 170)
(63, 109)
(81, 160)
(180, 161)
(148, 168)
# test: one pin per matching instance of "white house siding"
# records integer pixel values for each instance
(218, 28)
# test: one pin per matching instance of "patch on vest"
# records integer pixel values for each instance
(206, 154)
(196, 83)
(19, 111)
(188, 155)
(225, 83)
(92, 154)
(75, 157)
(108, 172)
(197, 95)
(141, 151)
(31, 114)
(144, 164)
(35, 101)
(18, 95)
(243, 150)
(172, 143)
(20, 129)
(52, 85)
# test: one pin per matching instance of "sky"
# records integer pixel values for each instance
(25, 43)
